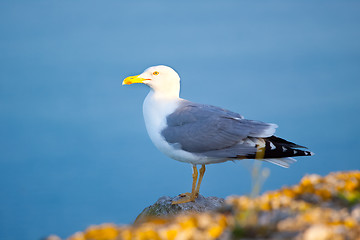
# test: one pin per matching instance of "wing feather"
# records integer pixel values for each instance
(199, 128)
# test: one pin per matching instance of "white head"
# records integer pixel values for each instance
(162, 79)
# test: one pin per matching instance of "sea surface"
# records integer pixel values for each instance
(73, 146)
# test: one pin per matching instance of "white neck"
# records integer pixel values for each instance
(166, 92)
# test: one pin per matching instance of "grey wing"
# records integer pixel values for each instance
(213, 131)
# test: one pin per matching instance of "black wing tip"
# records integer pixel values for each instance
(281, 149)
(281, 141)
(308, 153)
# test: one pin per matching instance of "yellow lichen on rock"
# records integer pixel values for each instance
(186, 226)
(317, 208)
(315, 200)
(102, 232)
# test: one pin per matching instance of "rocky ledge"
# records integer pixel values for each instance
(163, 207)
(318, 208)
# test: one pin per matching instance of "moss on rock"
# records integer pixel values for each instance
(318, 208)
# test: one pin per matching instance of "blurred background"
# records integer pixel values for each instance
(74, 150)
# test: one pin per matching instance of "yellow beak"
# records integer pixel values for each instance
(133, 79)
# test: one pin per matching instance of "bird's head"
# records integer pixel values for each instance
(162, 79)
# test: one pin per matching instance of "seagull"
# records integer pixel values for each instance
(202, 134)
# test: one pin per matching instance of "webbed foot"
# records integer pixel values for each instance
(185, 197)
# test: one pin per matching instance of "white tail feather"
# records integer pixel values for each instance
(282, 162)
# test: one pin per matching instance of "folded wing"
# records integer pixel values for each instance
(214, 131)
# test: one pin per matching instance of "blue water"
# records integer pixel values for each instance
(73, 147)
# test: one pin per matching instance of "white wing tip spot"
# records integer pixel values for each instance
(272, 146)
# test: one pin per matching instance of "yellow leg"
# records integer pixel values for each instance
(195, 176)
(189, 197)
(202, 172)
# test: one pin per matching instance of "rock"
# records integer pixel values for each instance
(318, 232)
(163, 206)
(272, 218)
(355, 213)
(326, 208)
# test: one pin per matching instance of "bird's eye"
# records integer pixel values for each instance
(156, 73)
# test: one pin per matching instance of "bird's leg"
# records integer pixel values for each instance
(195, 176)
(189, 197)
(202, 172)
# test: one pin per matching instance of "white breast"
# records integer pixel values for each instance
(155, 111)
